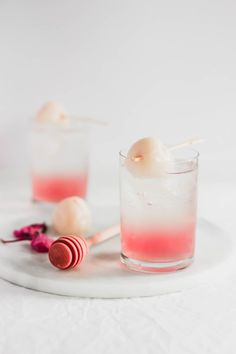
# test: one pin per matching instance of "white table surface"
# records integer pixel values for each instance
(201, 320)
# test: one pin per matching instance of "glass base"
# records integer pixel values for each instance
(154, 267)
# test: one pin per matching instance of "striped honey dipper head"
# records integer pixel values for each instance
(68, 252)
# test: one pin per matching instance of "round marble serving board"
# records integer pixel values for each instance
(102, 275)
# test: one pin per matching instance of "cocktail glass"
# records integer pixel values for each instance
(158, 215)
(59, 161)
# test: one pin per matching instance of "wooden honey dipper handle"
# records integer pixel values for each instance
(103, 235)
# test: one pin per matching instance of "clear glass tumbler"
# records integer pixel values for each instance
(59, 161)
(158, 215)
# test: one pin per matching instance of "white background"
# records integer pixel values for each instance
(150, 67)
(162, 68)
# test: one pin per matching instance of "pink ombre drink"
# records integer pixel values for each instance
(158, 215)
(59, 158)
(55, 188)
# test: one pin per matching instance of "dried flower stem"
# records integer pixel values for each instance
(10, 241)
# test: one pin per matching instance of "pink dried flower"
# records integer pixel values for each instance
(40, 242)
(27, 232)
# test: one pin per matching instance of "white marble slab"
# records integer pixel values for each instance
(102, 274)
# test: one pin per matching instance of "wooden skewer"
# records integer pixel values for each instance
(185, 143)
(89, 120)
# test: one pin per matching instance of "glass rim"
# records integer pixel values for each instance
(195, 156)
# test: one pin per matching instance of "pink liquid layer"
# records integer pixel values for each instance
(162, 244)
(56, 188)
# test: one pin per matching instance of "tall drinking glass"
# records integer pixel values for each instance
(158, 215)
(59, 161)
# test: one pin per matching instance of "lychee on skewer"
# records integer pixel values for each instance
(51, 112)
(149, 157)
(54, 113)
